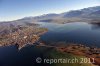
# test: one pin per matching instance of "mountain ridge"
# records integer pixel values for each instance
(85, 14)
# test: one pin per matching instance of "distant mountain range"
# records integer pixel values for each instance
(86, 14)
(90, 14)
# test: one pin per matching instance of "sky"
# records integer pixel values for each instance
(16, 9)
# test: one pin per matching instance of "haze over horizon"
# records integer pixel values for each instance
(16, 9)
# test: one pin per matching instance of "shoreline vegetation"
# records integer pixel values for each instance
(78, 50)
(75, 50)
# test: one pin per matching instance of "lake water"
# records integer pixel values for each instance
(77, 32)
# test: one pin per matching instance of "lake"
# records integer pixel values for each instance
(76, 32)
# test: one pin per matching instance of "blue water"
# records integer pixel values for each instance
(77, 32)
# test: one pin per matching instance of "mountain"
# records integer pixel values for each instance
(86, 15)
(45, 16)
(74, 13)
(83, 15)
(82, 12)
(91, 9)
(95, 14)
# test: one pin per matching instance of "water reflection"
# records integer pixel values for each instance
(78, 32)
(83, 33)
(8, 55)
(96, 26)
(26, 56)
